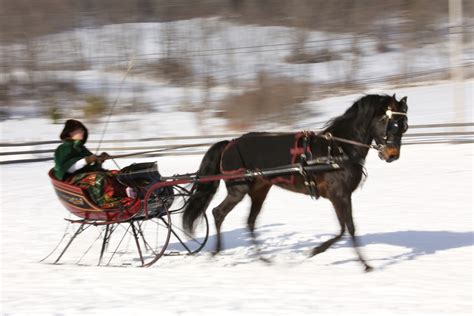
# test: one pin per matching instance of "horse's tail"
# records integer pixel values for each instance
(204, 192)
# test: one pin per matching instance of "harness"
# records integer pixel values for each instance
(306, 159)
(300, 153)
(392, 126)
(309, 182)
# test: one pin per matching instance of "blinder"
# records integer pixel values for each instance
(394, 125)
(399, 126)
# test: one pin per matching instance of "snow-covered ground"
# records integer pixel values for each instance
(413, 216)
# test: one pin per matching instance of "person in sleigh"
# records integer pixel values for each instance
(75, 164)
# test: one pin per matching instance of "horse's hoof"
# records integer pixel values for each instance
(368, 268)
(314, 252)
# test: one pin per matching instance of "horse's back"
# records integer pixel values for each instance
(259, 150)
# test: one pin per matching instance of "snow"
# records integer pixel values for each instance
(204, 42)
(414, 220)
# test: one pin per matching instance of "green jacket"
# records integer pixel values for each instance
(66, 155)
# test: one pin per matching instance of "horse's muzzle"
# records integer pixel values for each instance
(389, 153)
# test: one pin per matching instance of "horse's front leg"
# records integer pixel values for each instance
(355, 240)
(338, 207)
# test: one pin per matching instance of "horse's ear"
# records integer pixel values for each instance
(404, 100)
(394, 97)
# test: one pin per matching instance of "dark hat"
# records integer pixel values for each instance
(71, 126)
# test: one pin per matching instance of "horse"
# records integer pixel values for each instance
(378, 118)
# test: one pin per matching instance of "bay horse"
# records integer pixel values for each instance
(379, 118)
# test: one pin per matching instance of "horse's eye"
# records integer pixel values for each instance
(394, 128)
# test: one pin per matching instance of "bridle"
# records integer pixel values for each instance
(389, 128)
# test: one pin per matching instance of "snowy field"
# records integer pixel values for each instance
(414, 218)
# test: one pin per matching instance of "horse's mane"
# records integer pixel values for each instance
(363, 110)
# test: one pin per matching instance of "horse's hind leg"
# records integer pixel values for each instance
(258, 194)
(235, 194)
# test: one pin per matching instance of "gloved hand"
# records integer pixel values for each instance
(103, 156)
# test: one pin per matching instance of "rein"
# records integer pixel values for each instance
(329, 136)
(158, 150)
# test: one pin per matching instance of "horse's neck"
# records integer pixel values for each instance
(358, 134)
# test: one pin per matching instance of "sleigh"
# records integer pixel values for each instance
(150, 220)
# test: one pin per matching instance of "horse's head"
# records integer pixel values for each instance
(388, 127)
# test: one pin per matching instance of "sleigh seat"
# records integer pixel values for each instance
(77, 201)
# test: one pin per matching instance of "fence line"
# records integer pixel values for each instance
(190, 148)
